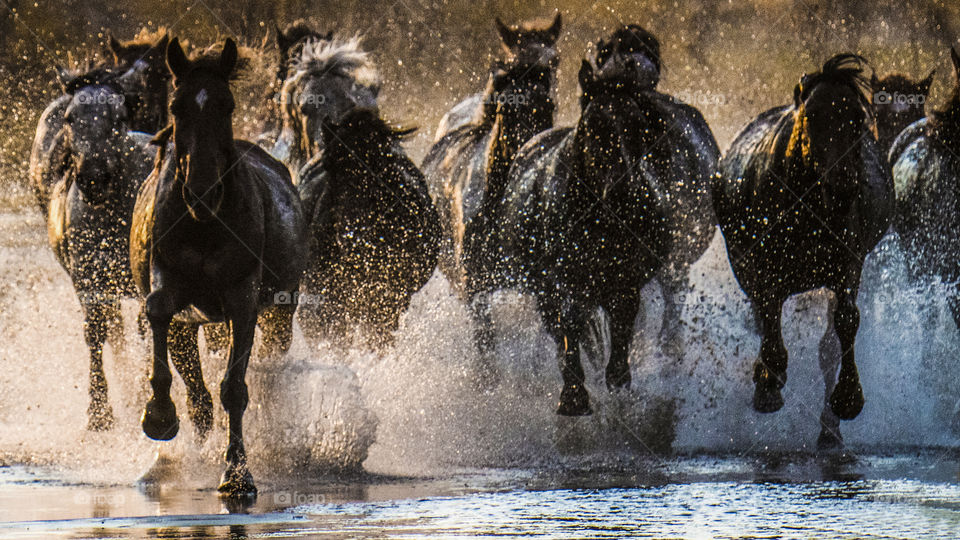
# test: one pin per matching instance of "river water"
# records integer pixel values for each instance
(405, 442)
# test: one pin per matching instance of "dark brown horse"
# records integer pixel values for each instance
(803, 194)
(217, 234)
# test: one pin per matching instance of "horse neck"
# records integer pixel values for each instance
(155, 110)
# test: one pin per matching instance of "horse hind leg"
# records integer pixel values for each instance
(847, 398)
(99, 412)
(829, 352)
(185, 355)
(770, 371)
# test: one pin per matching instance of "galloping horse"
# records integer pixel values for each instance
(138, 68)
(374, 232)
(585, 218)
(803, 194)
(926, 174)
(101, 165)
(218, 234)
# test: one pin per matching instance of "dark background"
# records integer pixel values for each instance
(730, 58)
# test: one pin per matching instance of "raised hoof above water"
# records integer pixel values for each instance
(159, 420)
(847, 399)
(767, 398)
(237, 483)
(100, 419)
(829, 440)
(574, 401)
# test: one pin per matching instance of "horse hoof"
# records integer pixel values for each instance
(100, 420)
(847, 400)
(574, 401)
(237, 482)
(767, 399)
(618, 381)
(159, 420)
(829, 440)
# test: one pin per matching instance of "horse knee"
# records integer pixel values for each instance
(234, 396)
(159, 308)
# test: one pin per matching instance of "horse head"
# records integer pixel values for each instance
(95, 123)
(898, 102)
(531, 43)
(330, 79)
(202, 109)
(632, 54)
(834, 117)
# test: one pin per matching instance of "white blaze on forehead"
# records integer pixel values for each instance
(201, 98)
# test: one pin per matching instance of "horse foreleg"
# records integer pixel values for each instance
(185, 355)
(159, 419)
(830, 352)
(847, 399)
(99, 413)
(623, 315)
(565, 323)
(770, 371)
(484, 335)
(237, 480)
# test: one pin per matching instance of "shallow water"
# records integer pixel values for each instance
(406, 442)
(913, 495)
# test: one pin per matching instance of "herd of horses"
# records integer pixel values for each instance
(325, 219)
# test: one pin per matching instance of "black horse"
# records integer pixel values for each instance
(926, 173)
(531, 43)
(585, 219)
(217, 234)
(374, 231)
(466, 170)
(101, 166)
(803, 194)
(138, 68)
(898, 102)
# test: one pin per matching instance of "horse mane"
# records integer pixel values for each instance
(209, 60)
(300, 29)
(337, 55)
(366, 124)
(844, 69)
(90, 75)
(146, 38)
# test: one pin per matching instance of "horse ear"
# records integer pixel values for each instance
(328, 36)
(228, 58)
(115, 46)
(554, 30)
(508, 36)
(177, 60)
(927, 83)
(160, 47)
(585, 75)
(797, 92)
(282, 42)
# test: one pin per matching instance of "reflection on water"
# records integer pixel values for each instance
(764, 495)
